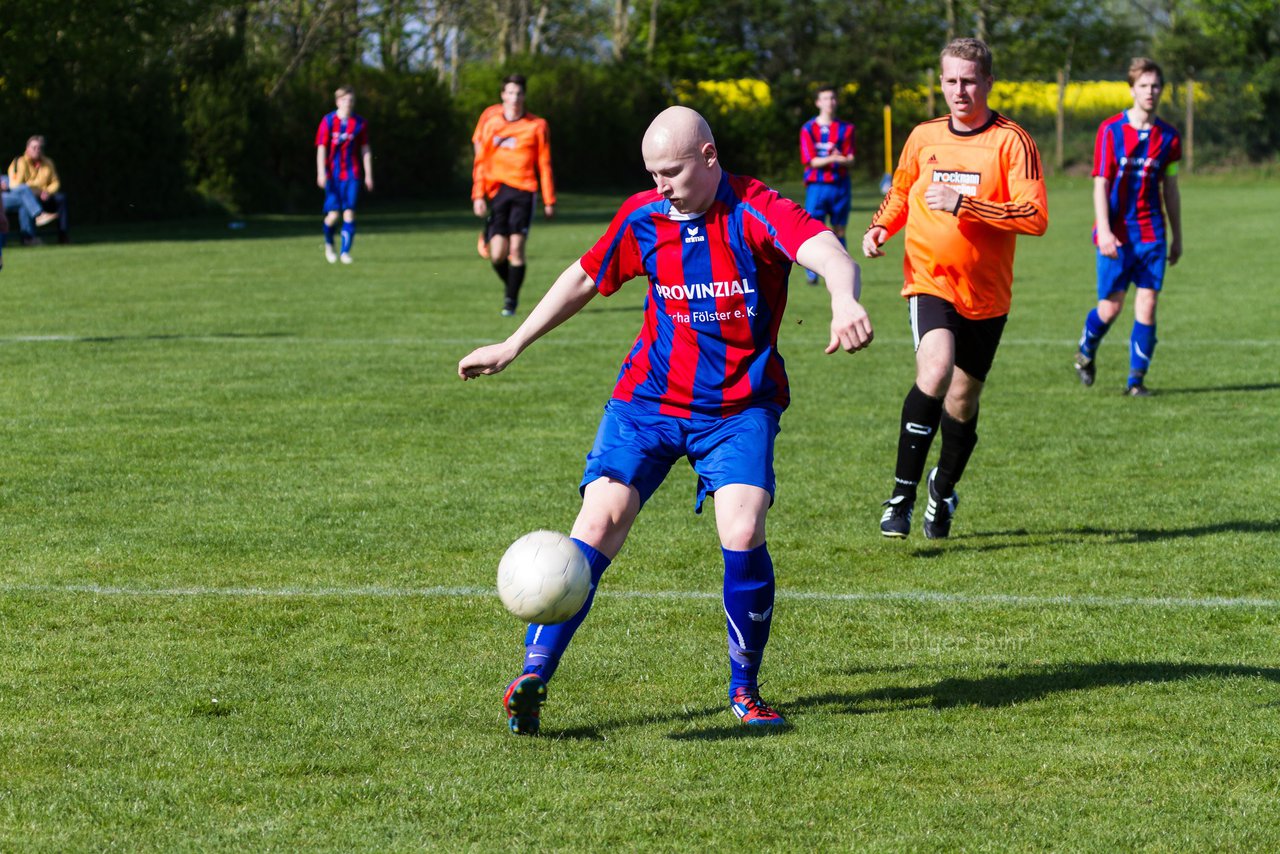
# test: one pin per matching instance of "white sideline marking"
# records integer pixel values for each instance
(910, 596)
(452, 342)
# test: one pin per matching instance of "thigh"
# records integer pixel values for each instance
(976, 345)
(840, 204)
(1148, 268)
(734, 450)
(1114, 274)
(633, 448)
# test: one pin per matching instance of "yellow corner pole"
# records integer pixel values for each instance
(888, 139)
(887, 181)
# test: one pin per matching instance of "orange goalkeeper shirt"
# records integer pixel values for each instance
(516, 153)
(966, 257)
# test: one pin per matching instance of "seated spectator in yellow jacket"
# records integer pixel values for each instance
(36, 172)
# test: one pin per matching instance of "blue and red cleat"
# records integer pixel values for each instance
(753, 711)
(523, 702)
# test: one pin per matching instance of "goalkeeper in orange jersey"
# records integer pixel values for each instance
(967, 184)
(512, 158)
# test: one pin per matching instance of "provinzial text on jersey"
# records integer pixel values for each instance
(707, 290)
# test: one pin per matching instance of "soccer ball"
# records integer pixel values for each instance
(544, 578)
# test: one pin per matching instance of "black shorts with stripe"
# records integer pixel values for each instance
(976, 340)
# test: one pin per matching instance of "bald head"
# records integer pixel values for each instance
(680, 153)
(677, 131)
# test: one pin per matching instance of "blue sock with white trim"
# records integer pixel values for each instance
(1142, 345)
(348, 236)
(748, 607)
(328, 234)
(543, 645)
(1091, 337)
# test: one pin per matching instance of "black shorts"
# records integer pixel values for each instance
(511, 212)
(976, 340)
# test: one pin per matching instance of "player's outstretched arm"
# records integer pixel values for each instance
(850, 326)
(571, 291)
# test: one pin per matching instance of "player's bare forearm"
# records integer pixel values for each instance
(320, 163)
(572, 290)
(367, 157)
(850, 326)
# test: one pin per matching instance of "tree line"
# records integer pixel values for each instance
(163, 107)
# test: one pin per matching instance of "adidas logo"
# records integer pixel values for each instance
(933, 158)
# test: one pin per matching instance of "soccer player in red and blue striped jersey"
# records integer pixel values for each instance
(704, 379)
(343, 161)
(826, 150)
(1135, 167)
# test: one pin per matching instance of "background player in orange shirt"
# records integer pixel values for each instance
(966, 185)
(512, 158)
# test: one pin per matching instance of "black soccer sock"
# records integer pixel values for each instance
(501, 268)
(958, 441)
(515, 278)
(920, 414)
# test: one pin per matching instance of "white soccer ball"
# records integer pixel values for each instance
(544, 578)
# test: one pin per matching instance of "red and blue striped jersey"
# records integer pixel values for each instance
(717, 291)
(818, 140)
(1135, 161)
(343, 140)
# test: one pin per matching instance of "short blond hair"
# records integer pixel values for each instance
(342, 90)
(974, 50)
(1140, 65)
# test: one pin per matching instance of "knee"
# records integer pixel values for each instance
(933, 379)
(742, 534)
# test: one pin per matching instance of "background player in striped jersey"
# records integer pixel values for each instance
(826, 150)
(512, 158)
(704, 379)
(343, 159)
(966, 185)
(1135, 167)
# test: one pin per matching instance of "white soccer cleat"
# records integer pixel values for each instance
(330, 255)
(346, 257)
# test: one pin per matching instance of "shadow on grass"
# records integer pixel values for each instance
(600, 731)
(997, 691)
(973, 542)
(1209, 389)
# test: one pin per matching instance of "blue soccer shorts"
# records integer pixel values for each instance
(638, 447)
(340, 195)
(1141, 264)
(828, 201)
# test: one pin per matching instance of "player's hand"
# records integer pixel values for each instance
(549, 211)
(321, 181)
(486, 360)
(1108, 244)
(1175, 251)
(850, 328)
(873, 240)
(479, 207)
(940, 197)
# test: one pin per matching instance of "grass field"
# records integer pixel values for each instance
(250, 519)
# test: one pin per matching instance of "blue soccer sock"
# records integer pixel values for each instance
(1142, 345)
(543, 645)
(348, 236)
(1091, 337)
(328, 234)
(748, 606)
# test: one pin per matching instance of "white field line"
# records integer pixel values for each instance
(455, 342)
(906, 596)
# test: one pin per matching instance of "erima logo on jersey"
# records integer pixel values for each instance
(964, 183)
(704, 290)
(693, 236)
